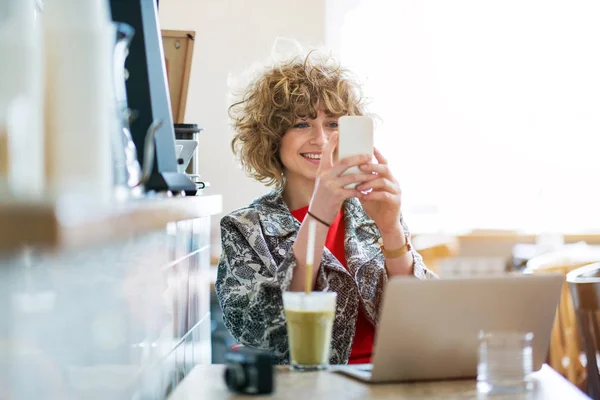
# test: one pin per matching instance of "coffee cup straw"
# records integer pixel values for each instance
(310, 254)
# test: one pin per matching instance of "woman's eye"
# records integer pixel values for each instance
(333, 124)
(301, 125)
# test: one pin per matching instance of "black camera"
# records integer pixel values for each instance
(249, 371)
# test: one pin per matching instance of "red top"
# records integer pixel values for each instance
(362, 347)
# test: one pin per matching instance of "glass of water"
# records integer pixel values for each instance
(505, 362)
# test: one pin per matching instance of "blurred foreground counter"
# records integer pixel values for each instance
(206, 382)
(104, 302)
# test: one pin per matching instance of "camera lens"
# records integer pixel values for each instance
(235, 377)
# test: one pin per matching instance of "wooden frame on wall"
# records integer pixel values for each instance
(179, 51)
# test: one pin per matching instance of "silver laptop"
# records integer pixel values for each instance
(429, 328)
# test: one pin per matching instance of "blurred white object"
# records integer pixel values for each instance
(21, 98)
(472, 266)
(570, 255)
(79, 38)
(548, 241)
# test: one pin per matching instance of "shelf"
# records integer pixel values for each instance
(68, 225)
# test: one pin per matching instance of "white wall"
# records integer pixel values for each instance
(489, 110)
(231, 35)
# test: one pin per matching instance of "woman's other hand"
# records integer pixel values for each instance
(381, 197)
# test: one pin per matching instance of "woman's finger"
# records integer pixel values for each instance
(354, 178)
(376, 196)
(349, 193)
(327, 153)
(379, 169)
(340, 194)
(380, 158)
(348, 162)
(379, 184)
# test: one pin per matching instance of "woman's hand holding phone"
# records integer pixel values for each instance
(332, 179)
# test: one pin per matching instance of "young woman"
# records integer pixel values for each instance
(286, 127)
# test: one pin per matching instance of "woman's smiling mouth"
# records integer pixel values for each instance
(314, 158)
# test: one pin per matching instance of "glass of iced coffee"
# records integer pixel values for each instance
(309, 321)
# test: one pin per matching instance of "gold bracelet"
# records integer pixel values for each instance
(397, 252)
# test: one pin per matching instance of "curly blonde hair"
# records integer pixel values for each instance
(283, 93)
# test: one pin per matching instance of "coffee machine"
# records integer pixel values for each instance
(187, 144)
(148, 96)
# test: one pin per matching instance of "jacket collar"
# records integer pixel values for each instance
(274, 215)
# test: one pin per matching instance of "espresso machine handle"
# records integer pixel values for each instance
(201, 185)
(149, 151)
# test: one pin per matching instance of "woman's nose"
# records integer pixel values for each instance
(321, 136)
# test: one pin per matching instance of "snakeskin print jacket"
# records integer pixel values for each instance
(256, 266)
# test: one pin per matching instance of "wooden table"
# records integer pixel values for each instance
(206, 382)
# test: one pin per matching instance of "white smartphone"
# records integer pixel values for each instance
(355, 137)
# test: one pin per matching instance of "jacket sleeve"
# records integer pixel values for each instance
(419, 269)
(249, 287)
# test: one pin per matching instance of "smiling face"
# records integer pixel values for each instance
(301, 147)
(280, 131)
